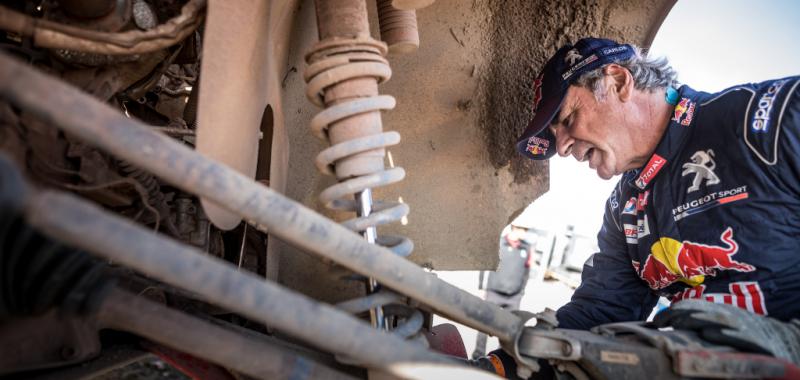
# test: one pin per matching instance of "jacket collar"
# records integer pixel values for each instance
(674, 138)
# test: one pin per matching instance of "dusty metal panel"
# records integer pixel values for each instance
(461, 100)
(281, 20)
(232, 90)
(242, 95)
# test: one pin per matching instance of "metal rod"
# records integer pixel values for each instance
(241, 247)
(260, 358)
(104, 127)
(82, 224)
(364, 200)
(398, 27)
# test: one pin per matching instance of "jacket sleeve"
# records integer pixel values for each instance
(787, 114)
(610, 289)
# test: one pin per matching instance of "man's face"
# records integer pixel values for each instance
(600, 132)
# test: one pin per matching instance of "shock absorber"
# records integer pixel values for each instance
(344, 71)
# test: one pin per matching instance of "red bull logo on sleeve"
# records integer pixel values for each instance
(689, 262)
(685, 110)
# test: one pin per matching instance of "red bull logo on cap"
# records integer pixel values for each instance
(537, 145)
(689, 262)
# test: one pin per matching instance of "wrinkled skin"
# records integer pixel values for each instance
(615, 133)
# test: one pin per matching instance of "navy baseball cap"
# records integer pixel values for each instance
(550, 88)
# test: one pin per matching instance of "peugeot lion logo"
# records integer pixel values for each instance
(702, 166)
(572, 57)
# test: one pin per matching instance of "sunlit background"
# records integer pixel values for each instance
(713, 44)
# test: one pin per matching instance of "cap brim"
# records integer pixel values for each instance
(537, 142)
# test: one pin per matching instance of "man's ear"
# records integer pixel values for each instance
(620, 80)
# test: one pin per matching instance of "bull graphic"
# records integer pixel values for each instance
(702, 166)
(689, 262)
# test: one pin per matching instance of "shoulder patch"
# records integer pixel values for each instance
(762, 121)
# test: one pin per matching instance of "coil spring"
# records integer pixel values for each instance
(37, 273)
(333, 61)
(409, 320)
(338, 60)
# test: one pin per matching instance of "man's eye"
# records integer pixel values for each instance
(568, 121)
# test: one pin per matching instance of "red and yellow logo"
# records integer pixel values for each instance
(685, 110)
(689, 262)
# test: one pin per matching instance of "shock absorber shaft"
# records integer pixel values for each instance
(364, 199)
(348, 54)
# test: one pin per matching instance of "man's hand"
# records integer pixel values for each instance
(731, 326)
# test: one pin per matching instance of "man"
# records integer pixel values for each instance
(506, 285)
(708, 205)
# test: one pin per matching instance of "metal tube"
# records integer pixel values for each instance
(80, 223)
(84, 225)
(348, 19)
(54, 35)
(341, 18)
(364, 200)
(104, 127)
(398, 28)
(255, 357)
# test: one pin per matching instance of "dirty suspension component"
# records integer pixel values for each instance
(344, 71)
(54, 35)
(244, 353)
(398, 28)
(106, 128)
(147, 180)
(153, 192)
(43, 278)
(411, 4)
(88, 8)
(79, 223)
(36, 273)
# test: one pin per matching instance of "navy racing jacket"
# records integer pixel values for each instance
(714, 214)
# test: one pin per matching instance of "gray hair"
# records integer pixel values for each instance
(648, 74)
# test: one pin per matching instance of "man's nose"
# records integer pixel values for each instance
(564, 141)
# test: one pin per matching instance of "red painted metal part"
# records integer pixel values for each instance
(446, 339)
(189, 365)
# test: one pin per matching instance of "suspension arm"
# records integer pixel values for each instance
(79, 223)
(247, 354)
(102, 126)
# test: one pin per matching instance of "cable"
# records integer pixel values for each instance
(53, 35)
